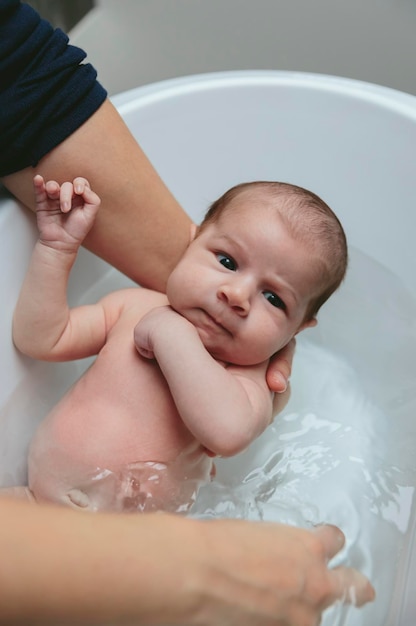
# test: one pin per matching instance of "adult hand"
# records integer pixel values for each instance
(267, 574)
(280, 368)
(278, 374)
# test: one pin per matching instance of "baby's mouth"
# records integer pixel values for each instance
(215, 322)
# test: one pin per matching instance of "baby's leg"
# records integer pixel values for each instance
(22, 493)
(59, 475)
(90, 491)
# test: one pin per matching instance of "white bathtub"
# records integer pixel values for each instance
(352, 143)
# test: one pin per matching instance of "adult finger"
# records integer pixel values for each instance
(280, 368)
(347, 584)
(332, 539)
(351, 586)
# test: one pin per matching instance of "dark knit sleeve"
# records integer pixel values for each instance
(46, 92)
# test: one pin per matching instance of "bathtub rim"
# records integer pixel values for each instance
(145, 95)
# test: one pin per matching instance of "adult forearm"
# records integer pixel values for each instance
(77, 568)
(140, 229)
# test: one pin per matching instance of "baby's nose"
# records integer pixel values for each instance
(236, 295)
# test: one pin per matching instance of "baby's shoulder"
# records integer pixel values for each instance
(146, 297)
(133, 300)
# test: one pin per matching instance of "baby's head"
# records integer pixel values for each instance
(308, 219)
(261, 264)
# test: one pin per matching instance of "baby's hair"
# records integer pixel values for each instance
(309, 219)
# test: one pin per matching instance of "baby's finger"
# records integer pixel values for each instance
(91, 198)
(66, 195)
(39, 188)
(52, 189)
(80, 183)
(38, 182)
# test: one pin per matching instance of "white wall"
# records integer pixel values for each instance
(133, 42)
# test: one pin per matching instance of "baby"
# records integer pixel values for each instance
(179, 378)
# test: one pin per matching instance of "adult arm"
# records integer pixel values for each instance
(160, 569)
(140, 229)
(57, 121)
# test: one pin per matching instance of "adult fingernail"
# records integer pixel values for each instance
(279, 378)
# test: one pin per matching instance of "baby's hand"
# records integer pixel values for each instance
(65, 213)
(162, 319)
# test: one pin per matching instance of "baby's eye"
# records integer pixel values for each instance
(274, 300)
(227, 261)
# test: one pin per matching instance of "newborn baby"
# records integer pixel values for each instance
(179, 378)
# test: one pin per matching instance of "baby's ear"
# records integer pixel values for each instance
(193, 231)
(309, 324)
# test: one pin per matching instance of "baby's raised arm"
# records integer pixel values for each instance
(65, 214)
(225, 408)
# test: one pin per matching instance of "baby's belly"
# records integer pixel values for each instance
(112, 460)
(116, 423)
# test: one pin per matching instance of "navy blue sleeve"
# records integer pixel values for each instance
(46, 92)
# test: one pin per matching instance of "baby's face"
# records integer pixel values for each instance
(245, 283)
